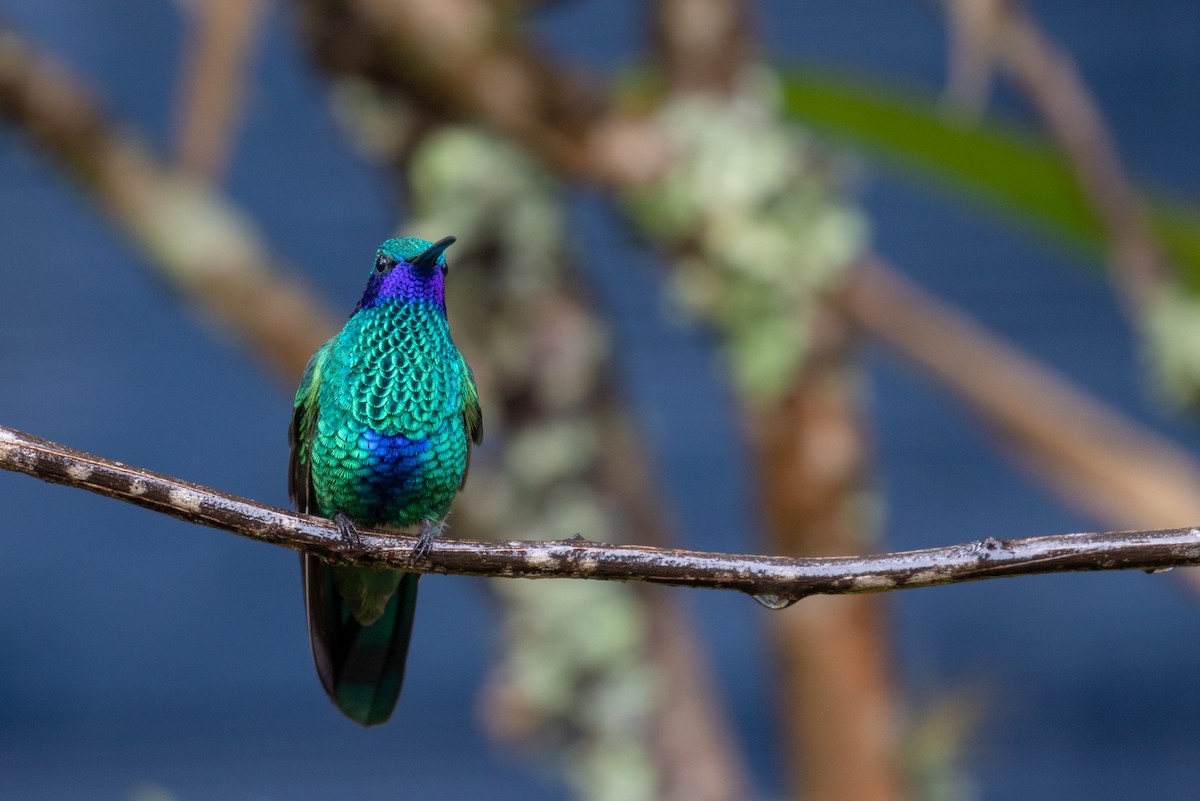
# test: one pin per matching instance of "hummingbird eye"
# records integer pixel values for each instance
(383, 263)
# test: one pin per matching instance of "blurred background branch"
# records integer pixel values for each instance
(221, 42)
(1047, 77)
(1087, 452)
(204, 247)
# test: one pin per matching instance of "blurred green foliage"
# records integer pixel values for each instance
(756, 221)
(994, 161)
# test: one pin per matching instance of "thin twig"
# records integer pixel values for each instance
(702, 45)
(196, 239)
(1089, 453)
(784, 577)
(222, 36)
(448, 58)
(1049, 79)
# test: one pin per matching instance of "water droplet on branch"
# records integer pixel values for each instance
(773, 601)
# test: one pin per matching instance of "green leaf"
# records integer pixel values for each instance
(997, 163)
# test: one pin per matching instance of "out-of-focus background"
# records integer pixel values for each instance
(682, 230)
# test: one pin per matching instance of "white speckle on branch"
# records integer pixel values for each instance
(79, 472)
(874, 582)
(923, 577)
(184, 499)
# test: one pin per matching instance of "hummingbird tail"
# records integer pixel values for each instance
(361, 667)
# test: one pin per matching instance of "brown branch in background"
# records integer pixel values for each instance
(971, 28)
(220, 43)
(839, 706)
(1090, 454)
(459, 59)
(692, 737)
(772, 576)
(837, 700)
(198, 241)
(1049, 79)
(702, 45)
(453, 57)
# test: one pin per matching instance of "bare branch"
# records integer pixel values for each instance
(451, 56)
(786, 578)
(1048, 77)
(198, 242)
(1094, 457)
(221, 39)
(437, 53)
(703, 45)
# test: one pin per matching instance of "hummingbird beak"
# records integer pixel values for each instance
(427, 258)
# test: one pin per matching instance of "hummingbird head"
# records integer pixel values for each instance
(408, 270)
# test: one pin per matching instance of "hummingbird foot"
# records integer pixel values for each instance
(349, 533)
(429, 530)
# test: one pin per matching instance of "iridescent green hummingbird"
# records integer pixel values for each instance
(380, 438)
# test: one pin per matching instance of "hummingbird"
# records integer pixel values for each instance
(380, 437)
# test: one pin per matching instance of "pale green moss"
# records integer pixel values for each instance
(1172, 343)
(760, 229)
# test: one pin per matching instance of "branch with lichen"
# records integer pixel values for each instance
(761, 237)
(777, 581)
(198, 241)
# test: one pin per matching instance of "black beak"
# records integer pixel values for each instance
(427, 258)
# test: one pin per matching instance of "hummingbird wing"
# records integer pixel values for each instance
(300, 434)
(319, 592)
(472, 413)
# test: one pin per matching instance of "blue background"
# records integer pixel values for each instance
(136, 648)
